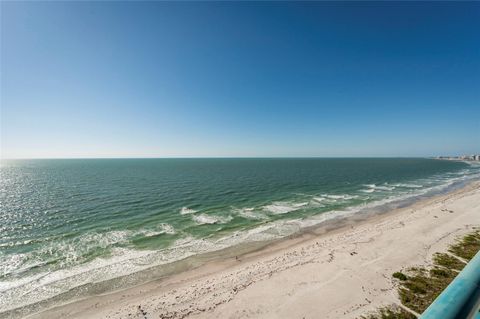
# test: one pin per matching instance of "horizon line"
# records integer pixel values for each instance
(220, 157)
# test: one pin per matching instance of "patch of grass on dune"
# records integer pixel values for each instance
(447, 261)
(400, 276)
(423, 286)
(467, 247)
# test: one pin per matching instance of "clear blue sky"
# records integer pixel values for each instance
(131, 79)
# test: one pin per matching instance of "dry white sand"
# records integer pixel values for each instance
(341, 274)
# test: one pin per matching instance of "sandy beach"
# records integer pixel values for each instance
(341, 273)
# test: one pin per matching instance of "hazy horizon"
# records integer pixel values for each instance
(234, 157)
(204, 80)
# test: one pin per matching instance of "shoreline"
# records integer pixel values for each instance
(125, 300)
(131, 248)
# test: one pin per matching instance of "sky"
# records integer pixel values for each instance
(208, 79)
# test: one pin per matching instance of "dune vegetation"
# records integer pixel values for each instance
(419, 286)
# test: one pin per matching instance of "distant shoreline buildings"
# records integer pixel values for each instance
(475, 157)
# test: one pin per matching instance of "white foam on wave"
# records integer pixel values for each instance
(385, 188)
(343, 196)
(333, 198)
(325, 216)
(406, 185)
(105, 239)
(283, 207)
(186, 211)
(211, 219)
(374, 187)
(161, 229)
(69, 251)
(167, 228)
(38, 287)
(204, 219)
(370, 190)
(250, 213)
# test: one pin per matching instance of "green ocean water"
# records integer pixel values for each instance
(68, 223)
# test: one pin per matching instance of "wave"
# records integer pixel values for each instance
(279, 208)
(344, 196)
(283, 207)
(250, 213)
(63, 253)
(385, 188)
(370, 190)
(374, 187)
(405, 185)
(161, 229)
(211, 219)
(186, 211)
(37, 287)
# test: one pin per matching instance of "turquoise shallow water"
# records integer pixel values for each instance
(67, 223)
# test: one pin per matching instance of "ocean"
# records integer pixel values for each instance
(75, 227)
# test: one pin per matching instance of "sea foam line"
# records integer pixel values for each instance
(283, 207)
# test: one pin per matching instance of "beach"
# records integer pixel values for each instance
(337, 273)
